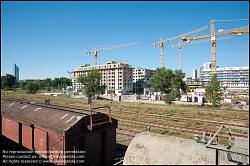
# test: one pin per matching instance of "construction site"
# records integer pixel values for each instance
(106, 131)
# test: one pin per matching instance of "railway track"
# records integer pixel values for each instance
(126, 132)
(174, 127)
(176, 118)
(212, 114)
(209, 114)
(156, 116)
(182, 129)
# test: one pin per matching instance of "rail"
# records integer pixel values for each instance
(179, 128)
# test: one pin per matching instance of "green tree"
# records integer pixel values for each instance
(65, 82)
(59, 83)
(23, 84)
(56, 83)
(161, 80)
(177, 83)
(213, 91)
(32, 87)
(173, 94)
(48, 84)
(8, 81)
(91, 83)
(41, 84)
(168, 83)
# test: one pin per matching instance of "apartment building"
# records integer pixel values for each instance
(140, 79)
(115, 76)
(232, 78)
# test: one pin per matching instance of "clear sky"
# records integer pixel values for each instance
(45, 39)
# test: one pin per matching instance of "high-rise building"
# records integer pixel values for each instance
(198, 74)
(140, 79)
(16, 72)
(194, 74)
(115, 76)
(232, 78)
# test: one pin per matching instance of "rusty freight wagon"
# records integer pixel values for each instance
(62, 135)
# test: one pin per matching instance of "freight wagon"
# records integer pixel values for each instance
(61, 135)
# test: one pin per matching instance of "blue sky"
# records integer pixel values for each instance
(45, 39)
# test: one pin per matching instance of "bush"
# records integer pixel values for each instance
(32, 87)
(171, 97)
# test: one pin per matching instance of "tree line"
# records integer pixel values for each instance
(32, 86)
(170, 83)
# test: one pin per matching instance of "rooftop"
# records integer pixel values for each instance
(49, 116)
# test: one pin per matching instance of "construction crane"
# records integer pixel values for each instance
(161, 42)
(95, 51)
(212, 36)
(180, 44)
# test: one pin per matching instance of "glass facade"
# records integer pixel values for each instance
(16, 72)
(229, 77)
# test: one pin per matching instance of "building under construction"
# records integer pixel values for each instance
(117, 77)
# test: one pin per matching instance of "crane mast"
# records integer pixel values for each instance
(213, 47)
(180, 57)
(161, 54)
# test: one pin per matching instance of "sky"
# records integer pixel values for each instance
(47, 39)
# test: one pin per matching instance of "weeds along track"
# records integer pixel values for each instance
(168, 121)
(197, 113)
(198, 131)
(177, 119)
(127, 132)
(176, 110)
(181, 116)
(182, 119)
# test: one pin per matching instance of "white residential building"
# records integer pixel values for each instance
(232, 78)
(140, 78)
(115, 76)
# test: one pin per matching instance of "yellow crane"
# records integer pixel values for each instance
(180, 44)
(95, 51)
(161, 42)
(212, 36)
